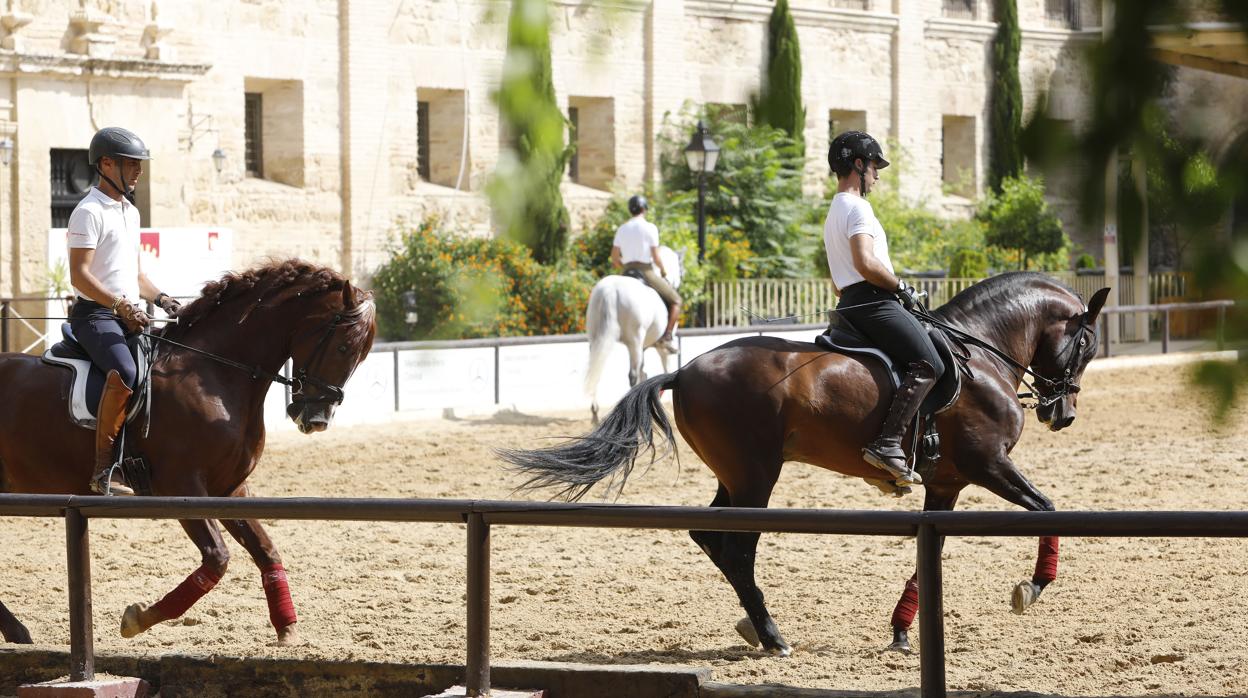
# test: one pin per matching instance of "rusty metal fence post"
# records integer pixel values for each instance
(931, 614)
(1165, 331)
(477, 667)
(81, 634)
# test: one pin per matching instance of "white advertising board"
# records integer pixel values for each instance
(369, 395)
(543, 374)
(691, 347)
(442, 378)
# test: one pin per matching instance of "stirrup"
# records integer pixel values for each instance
(103, 484)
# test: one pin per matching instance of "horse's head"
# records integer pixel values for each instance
(1066, 348)
(674, 263)
(331, 342)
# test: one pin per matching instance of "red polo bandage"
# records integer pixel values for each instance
(1046, 560)
(907, 607)
(187, 593)
(277, 591)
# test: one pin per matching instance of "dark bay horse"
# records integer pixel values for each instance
(207, 417)
(750, 405)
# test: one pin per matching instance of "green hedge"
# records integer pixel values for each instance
(474, 287)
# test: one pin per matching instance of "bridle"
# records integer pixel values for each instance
(1058, 389)
(330, 393)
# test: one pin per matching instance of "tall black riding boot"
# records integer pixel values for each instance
(885, 452)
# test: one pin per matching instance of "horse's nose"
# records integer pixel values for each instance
(1059, 424)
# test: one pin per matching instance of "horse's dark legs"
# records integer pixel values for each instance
(733, 554)
(908, 605)
(12, 628)
(204, 533)
(253, 537)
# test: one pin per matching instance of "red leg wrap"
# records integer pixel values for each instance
(186, 594)
(1046, 560)
(908, 606)
(277, 591)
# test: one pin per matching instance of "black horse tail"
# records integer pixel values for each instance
(610, 450)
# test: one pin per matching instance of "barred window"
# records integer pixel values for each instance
(253, 126)
(422, 140)
(959, 9)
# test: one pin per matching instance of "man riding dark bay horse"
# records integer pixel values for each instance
(210, 377)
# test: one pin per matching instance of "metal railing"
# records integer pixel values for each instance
(9, 315)
(480, 515)
(811, 297)
(1165, 310)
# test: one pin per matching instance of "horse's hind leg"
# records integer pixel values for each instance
(215, 558)
(908, 605)
(734, 555)
(253, 537)
(12, 628)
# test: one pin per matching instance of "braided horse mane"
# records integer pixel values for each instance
(269, 285)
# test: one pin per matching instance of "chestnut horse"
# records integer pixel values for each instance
(749, 405)
(207, 416)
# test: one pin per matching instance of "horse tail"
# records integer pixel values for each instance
(603, 327)
(610, 450)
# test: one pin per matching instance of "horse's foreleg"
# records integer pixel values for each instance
(12, 628)
(908, 605)
(636, 357)
(253, 537)
(1005, 480)
(1026, 592)
(215, 558)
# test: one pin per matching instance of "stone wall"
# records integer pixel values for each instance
(340, 82)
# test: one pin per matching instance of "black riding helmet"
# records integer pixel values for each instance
(851, 146)
(637, 204)
(115, 142)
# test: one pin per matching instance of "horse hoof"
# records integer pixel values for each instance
(781, 651)
(130, 622)
(287, 637)
(745, 628)
(1025, 594)
(900, 646)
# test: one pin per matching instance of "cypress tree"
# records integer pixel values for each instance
(1005, 153)
(525, 190)
(781, 103)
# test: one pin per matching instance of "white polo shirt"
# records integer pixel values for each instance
(111, 228)
(636, 238)
(851, 215)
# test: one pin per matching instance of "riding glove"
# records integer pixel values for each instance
(169, 304)
(131, 315)
(907, 294)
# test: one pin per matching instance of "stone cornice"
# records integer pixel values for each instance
(1041, 35)
(757, 11)
(68, 65)
(950, 28)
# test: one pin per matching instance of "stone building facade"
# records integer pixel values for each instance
(338, 117)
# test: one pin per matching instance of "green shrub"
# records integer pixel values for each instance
(1020, 221)
(968, 264)
(1085, 261)
(474, 287)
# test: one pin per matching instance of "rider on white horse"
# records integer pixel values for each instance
(635, 247)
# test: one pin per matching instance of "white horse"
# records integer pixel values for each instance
(624, 309)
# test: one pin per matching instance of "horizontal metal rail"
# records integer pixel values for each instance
(480, 515)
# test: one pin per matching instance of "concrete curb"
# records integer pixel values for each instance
(186, 676)
(1139, 360)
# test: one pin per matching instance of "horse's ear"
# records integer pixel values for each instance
(348, 295)
(1094, 305)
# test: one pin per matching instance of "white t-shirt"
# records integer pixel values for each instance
(111, 228)
(636, 238)
(851, 215)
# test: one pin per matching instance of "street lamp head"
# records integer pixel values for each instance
(6, 151)
(702, 153)
(218, 159)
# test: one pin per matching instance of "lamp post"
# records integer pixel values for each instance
(701, 154)
(218, 159)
